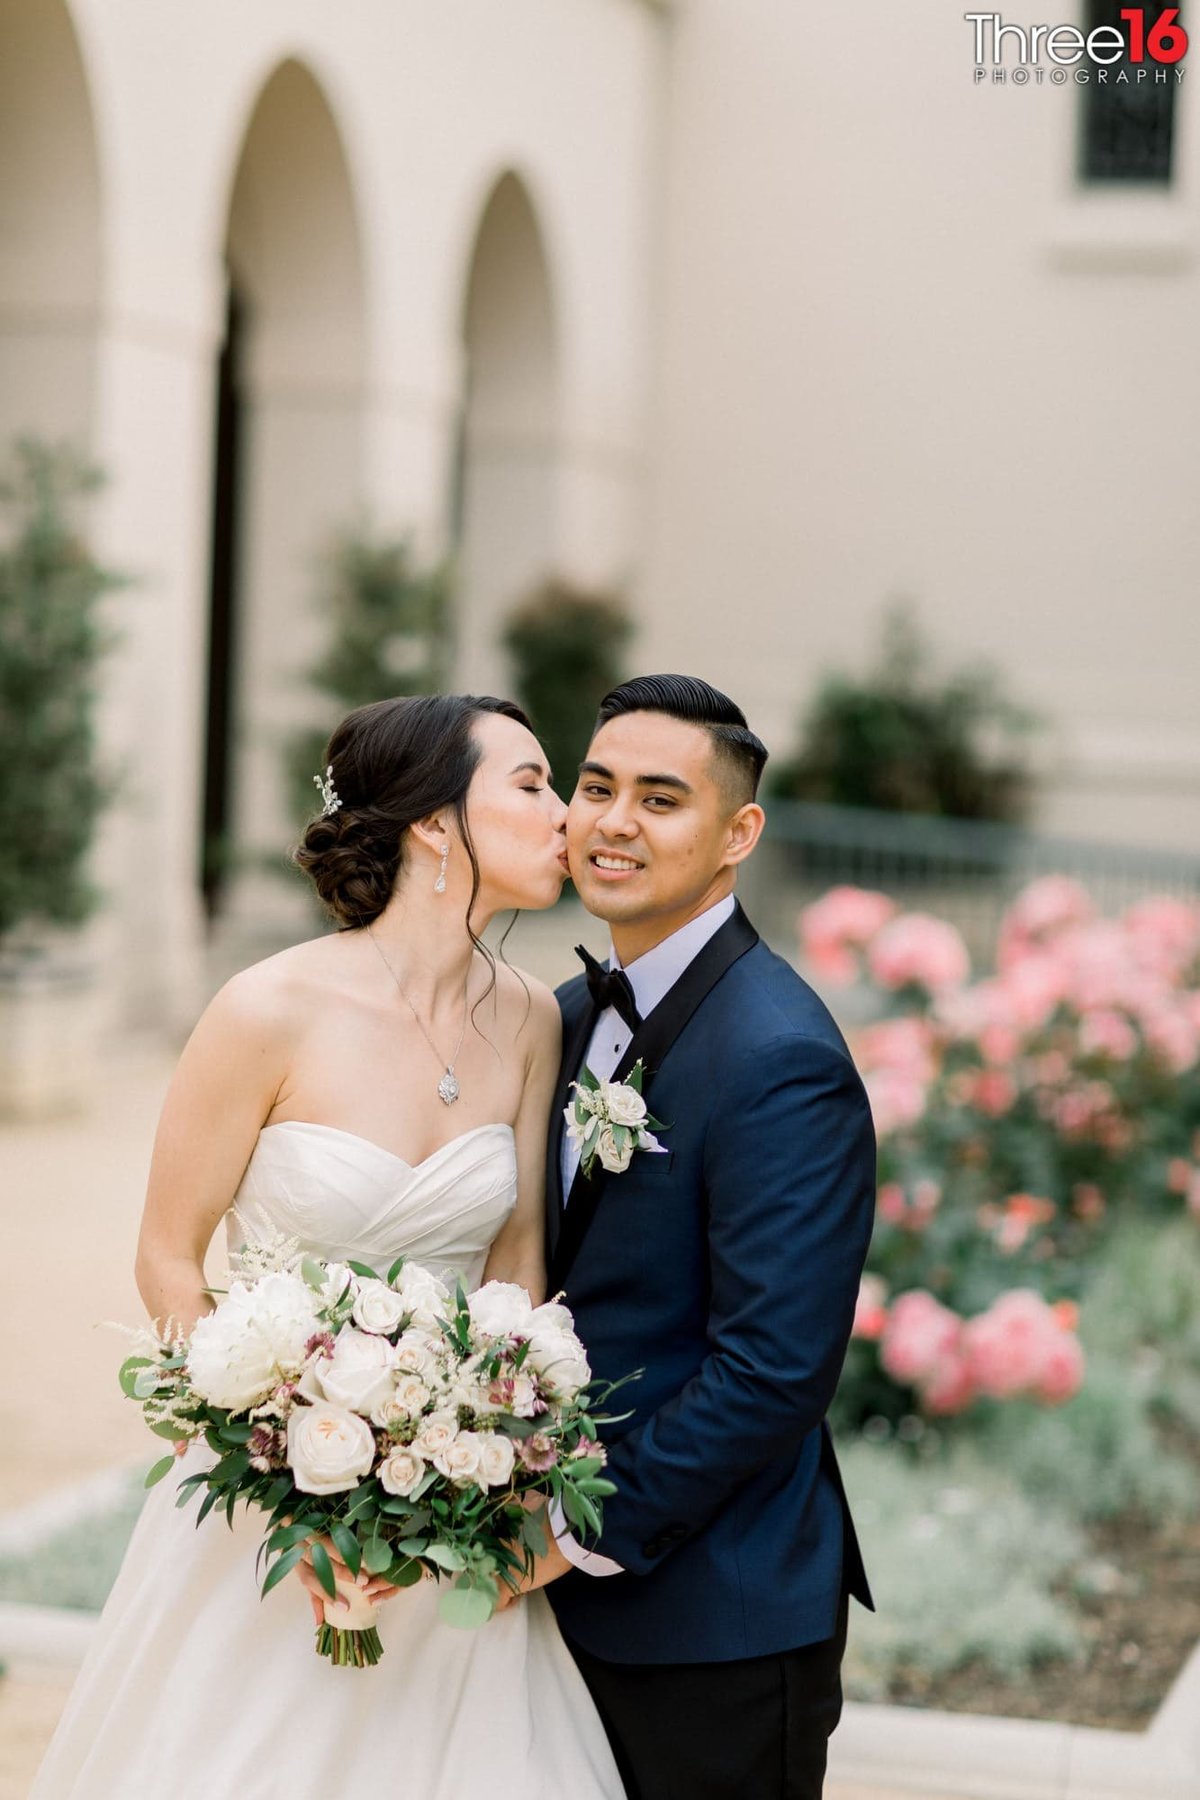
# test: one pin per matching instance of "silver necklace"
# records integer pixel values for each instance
(448, 1087)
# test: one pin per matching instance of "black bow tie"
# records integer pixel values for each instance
(610, 987)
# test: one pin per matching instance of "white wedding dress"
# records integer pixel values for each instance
(196, 1687)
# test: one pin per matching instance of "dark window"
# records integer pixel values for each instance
(1127, 124)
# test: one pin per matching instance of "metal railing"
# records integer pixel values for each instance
(963, 870)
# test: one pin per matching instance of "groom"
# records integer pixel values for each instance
(709, 1619)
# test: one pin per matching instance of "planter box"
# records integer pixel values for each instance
(49, 1032)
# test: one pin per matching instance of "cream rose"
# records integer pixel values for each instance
(436, 1434)
(496, 1458)
(614, 1157)
(427, 1298)
(460, 1461)
(401, 1472)
(419, 1353)
(328, 1448)
(377, 1307)
(622, 1105)
(359, 1374)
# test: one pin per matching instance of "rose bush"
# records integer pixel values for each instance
(1021, 1112)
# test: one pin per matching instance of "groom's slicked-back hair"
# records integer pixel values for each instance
(739, 756)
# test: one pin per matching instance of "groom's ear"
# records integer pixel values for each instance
(744, 830)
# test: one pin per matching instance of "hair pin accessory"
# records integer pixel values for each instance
(329, 794)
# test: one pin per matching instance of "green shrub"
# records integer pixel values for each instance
(389, 634)
(566, 647)
(52, 643)
(76, 1565)
(902, 741)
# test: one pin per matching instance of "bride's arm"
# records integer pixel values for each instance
(518, 1253)
(221, 1094)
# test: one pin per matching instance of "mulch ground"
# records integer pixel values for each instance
(1139, 1639)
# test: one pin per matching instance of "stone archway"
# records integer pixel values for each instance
(50, 227)
(506, 500)
(287, 459)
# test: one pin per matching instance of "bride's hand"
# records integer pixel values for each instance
(375, 1587)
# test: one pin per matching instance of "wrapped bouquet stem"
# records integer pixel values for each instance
(415, 1430)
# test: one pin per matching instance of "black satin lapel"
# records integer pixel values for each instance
(650, 1043)
(575, 1042)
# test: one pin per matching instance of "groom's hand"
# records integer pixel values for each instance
(546, 1568)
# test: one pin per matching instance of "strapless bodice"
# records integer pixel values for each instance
(345, 1197)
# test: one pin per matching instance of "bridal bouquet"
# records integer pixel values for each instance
(415, 1429)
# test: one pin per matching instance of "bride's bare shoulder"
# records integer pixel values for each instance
(277, 994)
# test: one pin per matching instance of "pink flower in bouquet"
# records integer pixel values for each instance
(917, 949)
(1045, 907)
(897, 1097)
(841, 922)
(1164, 934)
(919, 1336)
(1109, 1034)
(537, 1452)
(870, 1311)
(951, 1387)
(1017, 1344)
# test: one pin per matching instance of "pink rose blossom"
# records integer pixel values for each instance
(918, 949)
(870, 1311)
(897, 1099)
(892, 1204)
(1018, 1344)
(1045, 907)
(920, 1334)
(951, 1387)
(1062, 1370)
(903, 1044)
(1164, 934)
(1179, 1175)
(1173, 1039)
(992, 1091)
(840, 922)
(1109, 1034)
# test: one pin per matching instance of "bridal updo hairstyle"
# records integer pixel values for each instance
(393, 762)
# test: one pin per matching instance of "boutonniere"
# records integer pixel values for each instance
(609, 1121)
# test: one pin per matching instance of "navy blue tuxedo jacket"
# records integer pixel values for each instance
(727, 1270)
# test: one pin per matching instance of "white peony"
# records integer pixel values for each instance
(254, 1340)
(427, 1298)
(560, 1359)
(338, 1280)
(359, 1374)
(401, 1472)
(500, 1309)
(496, 1458)
(459, 1462)
(328, 1448)
(552, 1313)
(622, 1105)
(436, 1434)
(377, 1307)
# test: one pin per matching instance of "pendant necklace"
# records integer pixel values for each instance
(448, 1088)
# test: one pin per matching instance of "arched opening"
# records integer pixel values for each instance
(504, 506)
(287, 456)
(49, 227)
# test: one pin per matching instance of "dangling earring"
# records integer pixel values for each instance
(439, 886)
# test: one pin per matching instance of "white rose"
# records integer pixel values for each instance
(613, 1157)
(412, 1394)
(254, 1340)
(427, 1298)
(560, 1359)
(419, 1353)
(377, 1307)
(622, 1104)
(338, 1280)
(436, 1434)
(500, 1308)
(328, 1448)
(359, 1373)
(496, 1458)
(459, 1461)
(401, 1472)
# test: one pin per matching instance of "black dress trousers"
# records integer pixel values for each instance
(752, 1730)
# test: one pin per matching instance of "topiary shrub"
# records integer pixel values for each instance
(566, 647)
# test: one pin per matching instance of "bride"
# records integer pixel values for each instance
(380, 1090)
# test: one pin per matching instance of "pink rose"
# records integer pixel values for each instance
(917, 949)
(897, 1098)
(1164, 934)
(1062, 1370)
(920, 1334)
(870, 1312)
(951, 1387)
(1042, 909)
(1109, 1034)
(839, 923)
(1017, 1344)
(993, 1092)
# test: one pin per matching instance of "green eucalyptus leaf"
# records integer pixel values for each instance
(346, 1545)
(287, 1562)
(466, 1608)
(323, 1568)
(162, 1467)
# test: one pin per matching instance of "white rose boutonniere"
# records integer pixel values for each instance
(609, 1121)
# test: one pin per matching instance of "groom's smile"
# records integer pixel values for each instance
(653, 833)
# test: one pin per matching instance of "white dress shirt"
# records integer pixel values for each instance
(652, 976)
